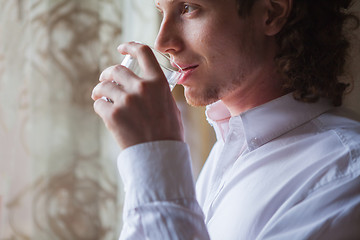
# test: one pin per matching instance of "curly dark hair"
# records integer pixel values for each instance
(312, 48)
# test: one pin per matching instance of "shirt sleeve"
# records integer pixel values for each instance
(160, 201)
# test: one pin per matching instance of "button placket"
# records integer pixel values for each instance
(231, 145)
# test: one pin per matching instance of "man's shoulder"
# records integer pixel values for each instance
(340, 117)
(341, 126)
(344, 124)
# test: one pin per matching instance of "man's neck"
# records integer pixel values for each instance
(263, 88)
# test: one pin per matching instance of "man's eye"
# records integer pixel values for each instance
(188, 9)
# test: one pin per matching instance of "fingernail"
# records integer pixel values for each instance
(101, 75)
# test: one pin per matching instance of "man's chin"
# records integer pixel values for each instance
(201, 98)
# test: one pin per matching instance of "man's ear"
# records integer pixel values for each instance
(277, 15)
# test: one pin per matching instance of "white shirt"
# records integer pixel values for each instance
(283, 170)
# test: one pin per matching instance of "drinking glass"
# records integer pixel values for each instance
(171, 70)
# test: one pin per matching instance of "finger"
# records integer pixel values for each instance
(106, 75)
(144, 56)
(120, 75)
(108, 90)
(102, 108)
(124, 77)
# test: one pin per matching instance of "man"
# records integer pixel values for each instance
(286, 164)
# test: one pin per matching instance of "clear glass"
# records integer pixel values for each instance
(171, 70)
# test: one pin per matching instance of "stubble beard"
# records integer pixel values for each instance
(203, 98)
(212, 93)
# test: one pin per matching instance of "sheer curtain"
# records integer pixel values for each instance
(58, 177)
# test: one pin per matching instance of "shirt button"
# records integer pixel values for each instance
(254, 141)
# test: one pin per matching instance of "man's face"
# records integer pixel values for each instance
(220, 51)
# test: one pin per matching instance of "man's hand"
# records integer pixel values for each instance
(142, 109)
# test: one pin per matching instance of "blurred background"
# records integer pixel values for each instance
(58, 175)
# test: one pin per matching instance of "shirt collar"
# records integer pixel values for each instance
(265, 122)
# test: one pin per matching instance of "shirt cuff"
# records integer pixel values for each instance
(156, 171)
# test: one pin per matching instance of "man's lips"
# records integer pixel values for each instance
(186, 70)
(182, 66)
(189, 67)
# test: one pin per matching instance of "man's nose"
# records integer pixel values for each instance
(169, 39)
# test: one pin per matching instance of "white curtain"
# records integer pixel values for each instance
(58, 177)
